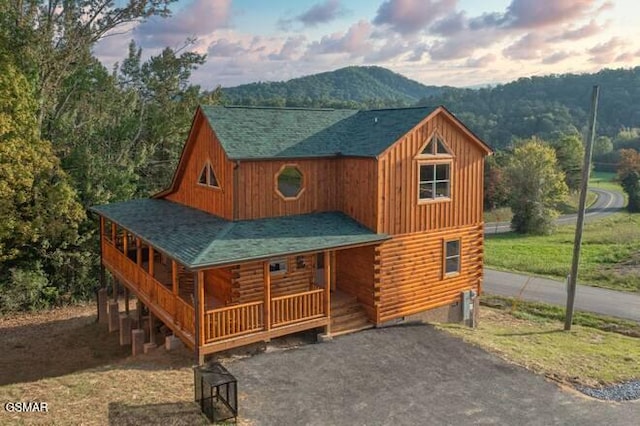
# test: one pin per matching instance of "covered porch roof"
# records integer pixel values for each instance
(199, 240)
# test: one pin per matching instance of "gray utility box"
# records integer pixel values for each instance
(468, 302)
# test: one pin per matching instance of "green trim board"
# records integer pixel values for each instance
(199, 240)
(265, 132)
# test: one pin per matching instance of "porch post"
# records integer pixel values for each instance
(267, 295)
(199, 357)
(113, 234)
(138, 252)
(102, 291)
(125, 242)
(327, 289)
(151, 261)
(174, 277)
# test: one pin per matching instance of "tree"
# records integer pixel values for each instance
(570, 153)
(496, 189)
(39, 208)
(629, 162)
(629, 176)
(602, 146)
(537, 184)
(631, 185)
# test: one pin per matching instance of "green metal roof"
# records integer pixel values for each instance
(198, 239)
(263, 132)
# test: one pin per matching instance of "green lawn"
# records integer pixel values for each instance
(610, 254)
(585, 355)
(605, 180)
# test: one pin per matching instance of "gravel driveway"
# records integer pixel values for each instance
(407, 375)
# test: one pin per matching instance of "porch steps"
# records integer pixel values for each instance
(347, 316)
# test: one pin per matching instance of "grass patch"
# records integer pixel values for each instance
(501, 214)
(585, 356)
(543, 312)
(570, 204)
(610, 254)
(605, 180)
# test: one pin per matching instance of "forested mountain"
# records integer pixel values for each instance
(546, 106)
(536, 106)
(353, 87)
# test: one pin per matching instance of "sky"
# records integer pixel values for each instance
(438, 42)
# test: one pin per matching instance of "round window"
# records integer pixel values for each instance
(289, 182)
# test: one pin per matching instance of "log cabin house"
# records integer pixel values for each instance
(279, 220)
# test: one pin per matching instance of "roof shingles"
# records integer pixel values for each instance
(261, 132)
(198, 239)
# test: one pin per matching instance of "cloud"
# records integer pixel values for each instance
(538, 14)
(606, 52)
(588, 30)
(198, 18)
(355, 41)
(418, 52)
(321, 13)
(449, 25)
(393, 48)
(224, 48)
(289, 49)
(412, 16)
(462, 44)
(481, 62)
(556, 57)
(528, 47)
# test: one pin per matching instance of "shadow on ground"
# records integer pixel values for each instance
(177, 413)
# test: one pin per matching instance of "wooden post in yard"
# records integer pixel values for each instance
(586, 168)
(327, 289)
(126, 300)
(266, 277)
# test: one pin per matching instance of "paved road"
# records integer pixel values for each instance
(608, 202)
(591, 299)
(407, 375)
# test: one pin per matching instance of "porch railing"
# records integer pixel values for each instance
(297, 307)
(178, 310)
(233, 321)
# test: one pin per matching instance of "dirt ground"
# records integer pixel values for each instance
(65, 358)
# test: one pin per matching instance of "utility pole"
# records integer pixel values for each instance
(586, 170)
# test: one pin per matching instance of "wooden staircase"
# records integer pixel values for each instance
(347, 315)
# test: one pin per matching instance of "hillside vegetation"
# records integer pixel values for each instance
(350, 87)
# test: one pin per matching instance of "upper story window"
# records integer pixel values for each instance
(208, 176)
(434, 170)
(435, 146)
(435, 181)
(289, 182)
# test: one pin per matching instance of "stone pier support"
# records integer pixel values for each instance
(137, 341)
(114, 317)
(125, 330)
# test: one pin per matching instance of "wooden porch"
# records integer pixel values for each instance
(186, 303)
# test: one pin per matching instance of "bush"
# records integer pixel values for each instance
(27, 289)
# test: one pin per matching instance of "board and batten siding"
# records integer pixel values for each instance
(332, 184)
(204, 147)
(409, 277)
(399, 211)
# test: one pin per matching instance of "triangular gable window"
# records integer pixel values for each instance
(435, 146)
(208, 176)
